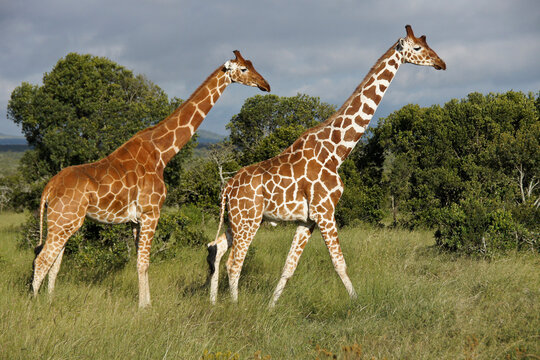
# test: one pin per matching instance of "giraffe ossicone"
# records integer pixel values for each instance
(128, 185)
(302, 183)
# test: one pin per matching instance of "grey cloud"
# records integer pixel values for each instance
(318, 47)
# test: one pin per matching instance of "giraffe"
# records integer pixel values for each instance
(302, 183)
(128, 185)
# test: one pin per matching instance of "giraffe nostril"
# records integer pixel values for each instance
(440, 66)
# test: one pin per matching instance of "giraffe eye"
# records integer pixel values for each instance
(243, 69)
(417, 48)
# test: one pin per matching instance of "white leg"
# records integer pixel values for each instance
(146, 234)
(241, 242)
(301, 237)
(221, 246)
(53, 272)
(329, 231)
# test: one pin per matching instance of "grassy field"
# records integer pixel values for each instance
(413, 303)
(10, 161)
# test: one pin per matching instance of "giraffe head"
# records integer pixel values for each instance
(242, 71)
(416, 51)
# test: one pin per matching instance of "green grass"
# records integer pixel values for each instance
(413, 303)
(10, 161)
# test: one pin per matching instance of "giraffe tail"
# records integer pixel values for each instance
(44, 198)
(219, 246)
(224, 195)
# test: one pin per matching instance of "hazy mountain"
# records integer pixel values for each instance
(12, 140)
(207, 137)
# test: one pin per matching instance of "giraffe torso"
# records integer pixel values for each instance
(116, 189)
(303, 182)
(288, 186)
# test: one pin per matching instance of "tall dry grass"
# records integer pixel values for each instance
(413, 303)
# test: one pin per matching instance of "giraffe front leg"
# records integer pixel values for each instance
(301, 237)
(146, 234)
(329, 232)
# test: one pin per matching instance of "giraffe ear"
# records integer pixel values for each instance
(400, 44)
(228, 65)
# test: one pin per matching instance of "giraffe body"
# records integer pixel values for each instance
(302, 183)
(128, 185)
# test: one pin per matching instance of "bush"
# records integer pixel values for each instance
(96, 249)
(359, 203)
(175, 231)
(476, 228)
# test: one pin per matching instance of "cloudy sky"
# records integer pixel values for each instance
(319, 47)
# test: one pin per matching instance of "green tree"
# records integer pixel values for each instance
(202, 181)
(86, 108)
(476, 156)
(267, 124)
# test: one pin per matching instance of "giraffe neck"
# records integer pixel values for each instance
(350, 122)
(172, 133)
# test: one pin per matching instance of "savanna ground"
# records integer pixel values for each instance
(414, 302)
(9, 160)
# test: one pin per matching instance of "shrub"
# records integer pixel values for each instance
(96, 249)
(359, 203)
(175, 230)
(473, 227)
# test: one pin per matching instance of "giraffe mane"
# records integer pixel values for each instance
(188, 100)
(346, 103)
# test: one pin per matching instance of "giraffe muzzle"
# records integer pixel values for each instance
(439, 65)
(264, 87)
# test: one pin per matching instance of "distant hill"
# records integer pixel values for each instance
(7, 142)
(12, 140)
(207, 138)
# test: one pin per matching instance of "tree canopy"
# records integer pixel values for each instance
(469, 168)
(480, 154)
(86, 107)
(267, 124)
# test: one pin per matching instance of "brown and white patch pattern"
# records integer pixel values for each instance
(302, 183)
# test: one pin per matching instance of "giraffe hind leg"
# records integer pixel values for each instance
(242, 240)
(53, 272)
(64, 218)
(48, 258)
(216, 250)
(37, 251)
